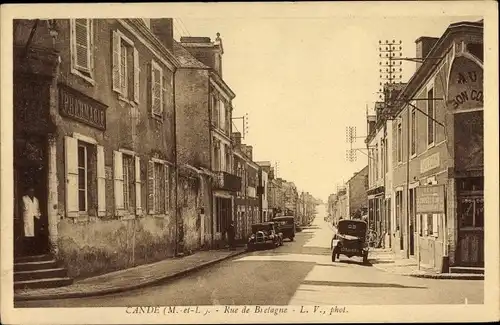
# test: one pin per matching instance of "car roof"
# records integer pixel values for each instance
(352, 221)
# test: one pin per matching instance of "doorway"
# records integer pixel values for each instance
(30, 170)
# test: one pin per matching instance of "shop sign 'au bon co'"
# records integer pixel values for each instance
(465, 85)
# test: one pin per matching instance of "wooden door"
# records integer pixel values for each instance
(470, 214)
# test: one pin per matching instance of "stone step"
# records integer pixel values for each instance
(35, 265)
(466, 270)
(33, 258)
(43, 283)
(40, 274)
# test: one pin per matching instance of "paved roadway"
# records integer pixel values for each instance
(298, 273)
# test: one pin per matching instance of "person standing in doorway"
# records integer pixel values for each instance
(31, 220)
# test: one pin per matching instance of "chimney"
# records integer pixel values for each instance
(205, 51)
(249, 152)
(424, 45)
(163, 28)
(236, 137)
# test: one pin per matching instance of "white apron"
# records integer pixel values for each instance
(31, 211)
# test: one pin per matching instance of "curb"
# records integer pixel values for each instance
(436, 276)
(107, 291)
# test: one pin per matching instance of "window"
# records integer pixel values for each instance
(399, 138)
(158, 188)
(125, 68)
(228, 159)
(128, 183)
(399, 208)
(386, 165)
(430, 117)
(215, 112)
(82, 178)
(471, 212)
(376, 162)
(81, 41)
(413, 132)
(156, 89)
(217, 153)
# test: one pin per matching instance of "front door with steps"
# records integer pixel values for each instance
(39, 271)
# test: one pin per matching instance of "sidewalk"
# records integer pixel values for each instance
(132, 278)
(385, 260)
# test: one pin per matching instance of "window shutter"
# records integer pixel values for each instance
(71, 163)
(163, 94)
(156, 88)
(116, 70)
(167, 188)
(151, 186)
(138, 205)
(137, 71)
(82, 42)
(101, 183)
(118, 178)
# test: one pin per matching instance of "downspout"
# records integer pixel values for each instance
(407, 253)
(210, 192)
(176, 248)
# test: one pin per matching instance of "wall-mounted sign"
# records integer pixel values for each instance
(82, 108)
(429, 163)
(430, 199)
(465, 88)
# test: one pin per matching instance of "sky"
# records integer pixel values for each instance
(302, 81)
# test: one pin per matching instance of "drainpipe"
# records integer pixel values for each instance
(176, 175)
(210, 144)
(407, 253)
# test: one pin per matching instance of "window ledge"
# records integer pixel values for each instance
(78, 73)
(125, 99)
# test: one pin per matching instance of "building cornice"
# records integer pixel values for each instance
(221, 85)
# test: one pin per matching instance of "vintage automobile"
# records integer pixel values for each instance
(350, 240)
(265, 234)
(287, 226)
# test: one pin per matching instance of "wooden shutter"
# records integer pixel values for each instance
(71, 164)
(163, 94)
(167, 187)
(151, 187)
(82, 44)
(138, 205)
(118, 179)
(101, 183)
(116, 69)
(137, 71)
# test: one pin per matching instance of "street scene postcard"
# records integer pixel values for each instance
(285, 162)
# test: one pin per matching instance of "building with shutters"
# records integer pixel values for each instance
(263, 189)
(211, 87)
(94, 134)
(437, 157)
(247, 202)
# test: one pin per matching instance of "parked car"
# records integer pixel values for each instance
(287, 226)
(265, 234)
(350, 240)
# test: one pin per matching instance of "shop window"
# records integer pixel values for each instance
(471, 212)
(82, 56)
(85, 181)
